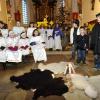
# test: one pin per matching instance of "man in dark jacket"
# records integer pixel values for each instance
(95, 42)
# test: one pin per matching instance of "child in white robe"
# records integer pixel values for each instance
(24, 45)
(14, 54)
(3, 51)
(30, 29)
(50, 40)
(57, 34)
(38, 47)
(43, 33)
(18, 29)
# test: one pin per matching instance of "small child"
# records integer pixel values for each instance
(50, 41)
(30, 29)
(57, 34)
(13, 52)
(24, 45)
(38, 47)
(81, 46)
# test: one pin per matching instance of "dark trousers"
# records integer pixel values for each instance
(74, 50)
(81, 56)
(4, 65)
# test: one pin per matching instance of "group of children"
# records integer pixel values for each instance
(80, 42)
(15, 45)
(51, 35)
(19, 42)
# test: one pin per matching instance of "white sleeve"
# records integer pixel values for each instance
(78, 31)
(71, 36)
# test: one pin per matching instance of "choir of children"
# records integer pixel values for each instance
(18, 43)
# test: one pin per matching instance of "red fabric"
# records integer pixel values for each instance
(24, 47)
(75, 15)
(13, 48)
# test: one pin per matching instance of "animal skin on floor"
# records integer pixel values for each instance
(95, 81)
(42, 81)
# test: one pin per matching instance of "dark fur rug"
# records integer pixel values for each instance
(42, 81)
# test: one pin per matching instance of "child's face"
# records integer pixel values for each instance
(1, 25)
(18, 24)
(82, 31)
(98, 19)
(31, 25)
(36, 33)
(12, 35)
(23, 35)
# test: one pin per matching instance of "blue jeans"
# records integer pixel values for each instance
(81, 56)
(97, 61)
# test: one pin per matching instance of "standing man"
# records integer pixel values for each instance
(95, 42)
(73, 36)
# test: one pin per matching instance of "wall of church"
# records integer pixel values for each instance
(87, 13)
(31, 11)
(3, 11)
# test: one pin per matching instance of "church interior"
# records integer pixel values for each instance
(51, 69)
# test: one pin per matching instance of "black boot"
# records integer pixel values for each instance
(78, 60)
(4, 66)
(84, 61)
(50, 49)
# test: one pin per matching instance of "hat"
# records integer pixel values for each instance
(76, 21)
(97, 14)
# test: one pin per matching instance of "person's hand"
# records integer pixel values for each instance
(86, 49)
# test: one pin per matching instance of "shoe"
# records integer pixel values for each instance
(84, 62)
(96, 69)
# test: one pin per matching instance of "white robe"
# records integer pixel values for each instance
(50, 41)
(57, 43)
(57, 39)
(18, 30)
(4, 33)
(13, 56)
(43, 34)
(2, 52)
(30, 31)
(24, 42)
(38, 50)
